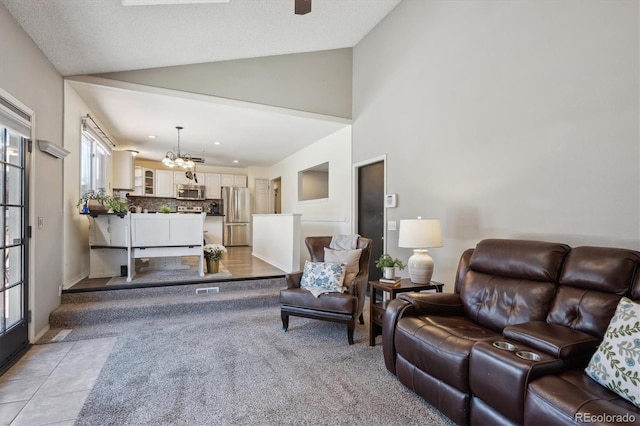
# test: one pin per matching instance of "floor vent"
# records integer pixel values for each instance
(61, 335)
(208, 290)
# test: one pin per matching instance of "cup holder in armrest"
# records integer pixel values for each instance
(529, 356)
(504, 346)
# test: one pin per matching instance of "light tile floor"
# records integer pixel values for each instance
(49, 385)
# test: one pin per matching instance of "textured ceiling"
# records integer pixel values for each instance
(99, 36)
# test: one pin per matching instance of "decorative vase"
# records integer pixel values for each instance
(420, 266)
(213, 266)
(389, 272)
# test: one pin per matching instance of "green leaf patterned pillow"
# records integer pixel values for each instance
(323, 277)
(616, 363)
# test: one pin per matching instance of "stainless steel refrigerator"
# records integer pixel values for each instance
(236, 203)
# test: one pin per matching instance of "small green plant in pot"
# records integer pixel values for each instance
(117, 206)
(388, 265)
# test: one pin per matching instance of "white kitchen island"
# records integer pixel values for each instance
(116, 241)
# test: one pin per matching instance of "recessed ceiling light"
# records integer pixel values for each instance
(217, 143)
(152, 136)
(235, 161)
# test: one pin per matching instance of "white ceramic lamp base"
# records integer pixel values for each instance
(420, 266)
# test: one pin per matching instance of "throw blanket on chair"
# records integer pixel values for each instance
(344, 242)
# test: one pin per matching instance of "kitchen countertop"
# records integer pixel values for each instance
(149, 212)
(208, 214)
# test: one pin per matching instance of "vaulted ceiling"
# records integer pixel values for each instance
(100, 36)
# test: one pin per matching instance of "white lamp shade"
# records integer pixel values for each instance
(420, 233)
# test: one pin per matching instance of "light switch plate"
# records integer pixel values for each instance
(391, 225)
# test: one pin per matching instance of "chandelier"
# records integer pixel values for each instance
(181, 160)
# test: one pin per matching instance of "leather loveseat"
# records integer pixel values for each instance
(509, 346)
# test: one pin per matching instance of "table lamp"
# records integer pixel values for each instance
(419, 234)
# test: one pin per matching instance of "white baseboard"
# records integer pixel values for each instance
(41, 333)
(272, 262)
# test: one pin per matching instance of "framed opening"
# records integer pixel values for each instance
(313, 183)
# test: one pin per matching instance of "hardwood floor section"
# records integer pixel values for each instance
(242, 264)
(238, 261)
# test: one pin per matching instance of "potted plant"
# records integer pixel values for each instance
(388, 266)
(165, 209)
(93, 202)
(213, 254)
(116, 205)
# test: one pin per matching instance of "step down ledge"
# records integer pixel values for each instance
(105, 312)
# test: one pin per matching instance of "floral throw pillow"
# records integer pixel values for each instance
(323, 277)
(616, 363)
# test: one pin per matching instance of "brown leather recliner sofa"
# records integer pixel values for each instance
(509, 346)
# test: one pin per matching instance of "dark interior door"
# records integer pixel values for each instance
(371, 211)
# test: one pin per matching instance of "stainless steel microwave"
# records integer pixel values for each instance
(190, 192)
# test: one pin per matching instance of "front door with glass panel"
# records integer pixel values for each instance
(14, 338)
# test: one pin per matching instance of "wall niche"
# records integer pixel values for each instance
(313, 183)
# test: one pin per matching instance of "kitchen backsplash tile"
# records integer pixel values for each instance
(153, 204)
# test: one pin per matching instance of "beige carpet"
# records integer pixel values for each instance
(187, 271)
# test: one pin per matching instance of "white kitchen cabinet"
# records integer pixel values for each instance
(108, 231)
(233, 180)
(212, 182)
(167, 230)
(180, 178)
(240, 181)
(148, 181)
(138, 182)
(226, 180)
(123, 170)
(164, 183)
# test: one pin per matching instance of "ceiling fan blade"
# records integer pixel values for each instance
(302, 7)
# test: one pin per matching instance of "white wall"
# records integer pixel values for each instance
(322, 217)
(76, 227)
(513, 119)
(275, 239)
(27, 75)
(318, 82)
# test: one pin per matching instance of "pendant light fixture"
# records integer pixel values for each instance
(181, 160)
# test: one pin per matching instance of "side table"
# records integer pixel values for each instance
(376, 308)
